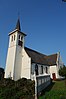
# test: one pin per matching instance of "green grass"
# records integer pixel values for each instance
(57, 90)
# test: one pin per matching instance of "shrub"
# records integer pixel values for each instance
(21, 89)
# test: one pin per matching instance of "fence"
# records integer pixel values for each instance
(41, 82)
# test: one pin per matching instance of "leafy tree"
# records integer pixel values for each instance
(1, 73)
(62, 71)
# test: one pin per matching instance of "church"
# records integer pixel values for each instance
(23, 62)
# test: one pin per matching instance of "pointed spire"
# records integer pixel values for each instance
(18, 25)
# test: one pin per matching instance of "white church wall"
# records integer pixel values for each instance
(59, 60)
(58, 67)
(10, 62)
(59, 63)
(26, 65)
(18, 63)
(40, 71)
(53, 69)
(14, 56)
(44, 69)
(13, 39)
(9, 70)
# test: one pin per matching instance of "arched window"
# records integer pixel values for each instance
(41, 69)
(46, 70)
(12, 38)
(36, 69)
(19, 37)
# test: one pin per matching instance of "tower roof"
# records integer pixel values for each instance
(18, 25)
(17, 28)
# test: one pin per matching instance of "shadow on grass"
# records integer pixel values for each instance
(47, 89)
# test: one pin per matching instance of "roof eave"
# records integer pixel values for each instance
(16, 31)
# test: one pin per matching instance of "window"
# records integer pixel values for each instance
(32, 69)
(20, 43)
(41, 69)
(36, 69)
(19, 37)
(39, 82)
(46, 70)
(12, 38)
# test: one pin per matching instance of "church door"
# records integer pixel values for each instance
(53, 76)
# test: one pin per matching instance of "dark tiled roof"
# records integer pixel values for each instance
(40, 58)
(36, 56)
(51, 59)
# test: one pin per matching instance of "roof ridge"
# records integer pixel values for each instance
(35, 51)
(52, 54)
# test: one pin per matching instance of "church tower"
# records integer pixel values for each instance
(14, 54)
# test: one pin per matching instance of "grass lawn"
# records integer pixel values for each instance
(57, 90)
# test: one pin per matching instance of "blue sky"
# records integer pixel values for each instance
(44, 22)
